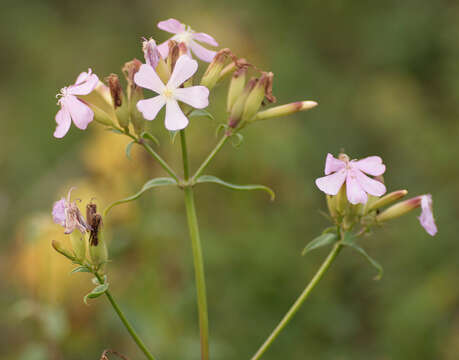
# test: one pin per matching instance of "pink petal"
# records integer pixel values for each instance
(171, 25)
(371, 186)
(355, 193)
(331, 184)
(175, 119)
(426, 219)
(147, 78)
(86, 82)
(184, 68)
(371, 165)
(195, 96)
(150, 107)
(205, 38)
(163, 49)
(81, 113)
(151, 53)
(63, 121)
(333, 164)
(201, 52)
(59, 212)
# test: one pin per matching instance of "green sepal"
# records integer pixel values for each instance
(349, 240)
(216, 180)
(201, 113)
(96, 292)
(128, 149)
(82, 268)
(150, 184)
(320, 241)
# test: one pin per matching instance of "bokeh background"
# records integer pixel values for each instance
(386, 75)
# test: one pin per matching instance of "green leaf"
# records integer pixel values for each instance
(320, 241)
(150, 184)
(220, 127)
(82, 268)
(349, 241)
(128, 149)
(96, 292)
(147, 135)
(216, 180)
(116, 131)
(201, 113)
(239, 139)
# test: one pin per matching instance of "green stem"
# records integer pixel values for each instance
(296, 306)
(126, 323)
(161, 161)
(197, 254)
(210, 157)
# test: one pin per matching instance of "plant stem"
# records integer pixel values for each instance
(126, 323)
(197, 254)
(161, 161)
(296, 306)
(210, 157)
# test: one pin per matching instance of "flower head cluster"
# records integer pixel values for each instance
(184, 34)
(73, 108)
(66, 213)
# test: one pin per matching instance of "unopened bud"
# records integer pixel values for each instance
(78, 241)
(284, 110)
(151, 52)
(134, 94)
(236, 87)
(387, 199)
(99, 252)
(119, 101)
(58, 247)
(173, 55)
(399, 209)
(235, 65)
(97, 247)
(212, 74)
(239, 105)
(261, 90)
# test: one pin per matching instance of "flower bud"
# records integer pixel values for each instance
(399, 209)
(387, 199)
(284, 110)
(239, 105)
(150, 52)
(78, 241)
(236, 87)
(119, 101)
(236, 64)
(261, 90)
(173, 55)
(212, 74)
(97, 247)
(58, 247)
(134, 94)
(99, 252)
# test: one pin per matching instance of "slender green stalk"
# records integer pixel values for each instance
(296, 306)
(197, 254)
(210, 157)
(161, 161)
(126, 323)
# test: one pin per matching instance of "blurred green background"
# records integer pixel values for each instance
(386, 76)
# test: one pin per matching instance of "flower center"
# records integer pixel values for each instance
(185, 36)
(168, 93)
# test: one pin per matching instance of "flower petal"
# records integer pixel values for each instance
(371, 186)
(205, 38)
(63, 121)
(147, 78)
(331, 184)
(333, 164)
(184, 68)
(171, 25)
(175, 118)
(426, 219)
(195, 96)
(201, 52)
(81, 113)
(371, 165)
(85, 83)
(163, 49)
(150, 107)
(355, 193)
(59, 212)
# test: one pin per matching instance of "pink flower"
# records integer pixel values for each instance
(67, 214)
(151, 52)
(426, 219)
(195, 96)
(186, 35)
(73, 108)
(358, 185)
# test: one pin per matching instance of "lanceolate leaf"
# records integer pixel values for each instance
(216, 180)
(147, 135)
(349, 241)
(157, 182)
(201, 113)
(320, 241)
(96, 292)
(82, 268)
(128, 149)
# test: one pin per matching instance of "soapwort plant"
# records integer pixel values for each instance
(354, 189)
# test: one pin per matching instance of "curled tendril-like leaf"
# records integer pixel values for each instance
(147, 135)
(237, 141)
